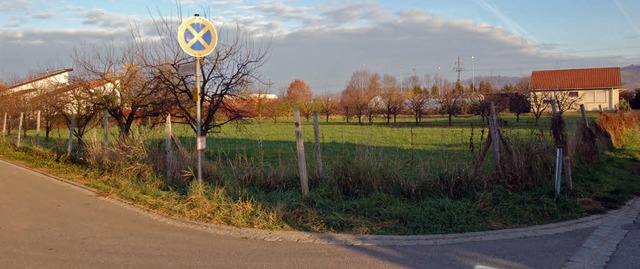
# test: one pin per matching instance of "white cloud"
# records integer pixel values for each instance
(12, 24)
(321, 44)
(13, 5)
(226, 3)
(103, 18)
(44, 15)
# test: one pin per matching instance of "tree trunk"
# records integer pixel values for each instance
(450, 119)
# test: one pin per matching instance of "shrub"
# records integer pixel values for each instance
(624, 105)
(618, 124)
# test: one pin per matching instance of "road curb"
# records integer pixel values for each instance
(598, 248)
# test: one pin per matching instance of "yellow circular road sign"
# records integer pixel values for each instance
(197, 36)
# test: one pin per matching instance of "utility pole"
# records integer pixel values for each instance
(458, 68)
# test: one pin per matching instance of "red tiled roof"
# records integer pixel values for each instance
(587, 78)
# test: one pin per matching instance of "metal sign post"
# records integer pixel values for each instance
(198, 38)
(199, 145)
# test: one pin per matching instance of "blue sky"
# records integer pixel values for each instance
(324, 41)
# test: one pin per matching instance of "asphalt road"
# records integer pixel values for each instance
(628, 251)
(46, 223)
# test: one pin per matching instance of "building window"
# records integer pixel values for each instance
(573, 94)
(601, 97)
(589, 97)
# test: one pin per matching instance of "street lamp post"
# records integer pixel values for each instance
(473, 73)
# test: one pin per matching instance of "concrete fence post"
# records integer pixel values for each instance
(4, 126)
(38, 129)
(71, 126)
(167, 147)
(20, 128)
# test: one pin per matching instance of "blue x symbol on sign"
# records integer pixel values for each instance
(197, 36)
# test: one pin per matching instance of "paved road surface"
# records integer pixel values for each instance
(46, 223)
(628, 252)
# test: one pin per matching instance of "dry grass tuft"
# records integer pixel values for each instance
(617, 125)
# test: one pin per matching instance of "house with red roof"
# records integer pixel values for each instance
(58, 83)
(595, 88)
(43, 81)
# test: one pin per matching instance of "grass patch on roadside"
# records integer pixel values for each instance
(381, 180)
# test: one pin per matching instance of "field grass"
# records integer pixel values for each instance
(379, 179)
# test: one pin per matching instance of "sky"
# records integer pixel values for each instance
(324, 41)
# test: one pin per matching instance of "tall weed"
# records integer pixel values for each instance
(618, 124)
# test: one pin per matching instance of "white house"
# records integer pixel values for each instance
(595, 87)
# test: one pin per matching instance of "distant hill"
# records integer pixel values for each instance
(630, 77)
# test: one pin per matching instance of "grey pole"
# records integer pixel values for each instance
(105, 127)
(71, 127)
(198, 118)
(20, 128)
(4, 126)
(473, 74)
(38, 129)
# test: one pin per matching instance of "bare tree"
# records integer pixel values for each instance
(451, 102)
(275, 109)
(327, 105)
(233, 66)
(362, 87)
(75, 102)
(539, 103)
(345, 107)
(416, 101)
(47, 100)
(121, 82)
(566, 100)
(392, 99)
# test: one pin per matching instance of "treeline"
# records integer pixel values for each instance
(369, 95)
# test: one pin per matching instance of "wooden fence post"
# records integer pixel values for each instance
(316, 133)
(495, 140)
(568, 176)
(38, 129)
(20, 127)
(4, 127)
(167, 147)
(71, 125)
(302, 163)
(584, 115)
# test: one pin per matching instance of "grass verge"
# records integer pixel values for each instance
(457, 204)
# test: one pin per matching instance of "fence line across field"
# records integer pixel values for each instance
(380, 137)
